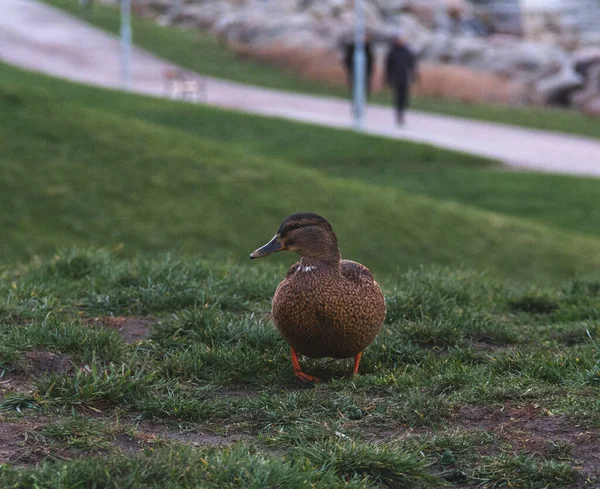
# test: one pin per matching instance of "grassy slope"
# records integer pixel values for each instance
(469, 383)
(555, 200)
(85, 176)
(200, 52)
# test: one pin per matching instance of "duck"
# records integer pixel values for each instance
(325, 306)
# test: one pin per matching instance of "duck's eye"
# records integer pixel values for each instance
(296, 226)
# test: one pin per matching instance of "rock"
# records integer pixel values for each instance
(163, 5)
(201, 16)
(372, 17)
(517, 59)
(584, 58)
(417, 35)
(556, 88)
(390, 7)
(439, 31)
(430, 12)
(581, 98)
(439, 48)
(468, 51)
(320, 11)
(456, 8)
(256, 27)
(406, 26)
(425, 11)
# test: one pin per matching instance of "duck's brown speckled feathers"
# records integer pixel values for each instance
(329, 313)
(325, 306)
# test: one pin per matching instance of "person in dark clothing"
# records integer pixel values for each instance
(349, 63)
(400, 72)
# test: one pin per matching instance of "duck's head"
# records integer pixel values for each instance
(309, 235)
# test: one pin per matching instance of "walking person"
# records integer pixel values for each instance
(349, 49)
(400, 71)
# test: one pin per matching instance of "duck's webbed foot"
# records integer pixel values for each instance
(302, 377)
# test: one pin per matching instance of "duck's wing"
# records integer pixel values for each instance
(292, 269)
(355, 272)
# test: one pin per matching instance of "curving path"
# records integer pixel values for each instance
(41, 38)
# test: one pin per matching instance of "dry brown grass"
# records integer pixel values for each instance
(456, 82)
(445, 81)
(320, 65)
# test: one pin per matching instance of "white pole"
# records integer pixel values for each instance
(359, 64)
(125, 44)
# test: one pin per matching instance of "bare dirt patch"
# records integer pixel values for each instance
(190, 436)
(129, 444)
(15, 383)
(10, 435)
(22, 443)
(131, 329)
(37, 363)
(535, 430)
(41, 362)
(15, 449)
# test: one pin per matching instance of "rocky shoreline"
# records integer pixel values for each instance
(463, 58)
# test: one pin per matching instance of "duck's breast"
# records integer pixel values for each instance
(326, 315)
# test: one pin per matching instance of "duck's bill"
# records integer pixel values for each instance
(271, 247)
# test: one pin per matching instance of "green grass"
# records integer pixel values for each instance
(183, 467)
(555, 200)
(477, 379)
(75, 175)
(470, 383)
(199, 51)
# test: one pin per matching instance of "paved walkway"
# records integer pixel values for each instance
(41, 38)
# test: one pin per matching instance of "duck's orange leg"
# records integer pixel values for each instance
(356, 363)
(298, 371)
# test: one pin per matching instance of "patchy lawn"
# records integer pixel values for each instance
(165, 372)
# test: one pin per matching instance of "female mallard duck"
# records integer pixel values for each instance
(325, 306)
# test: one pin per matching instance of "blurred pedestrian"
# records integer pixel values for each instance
(349, 49)
(400, 71)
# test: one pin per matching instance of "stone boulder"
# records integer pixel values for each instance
(516, 59)
(200, 16)
(161, 5)
(409, 27)
(439, 31)
(556, 88)
(257, 27)
(389, 8)
(468, 51)
(585, 58)
(580, 99)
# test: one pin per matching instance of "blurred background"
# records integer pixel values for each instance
(539, 52)
(149, 126)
